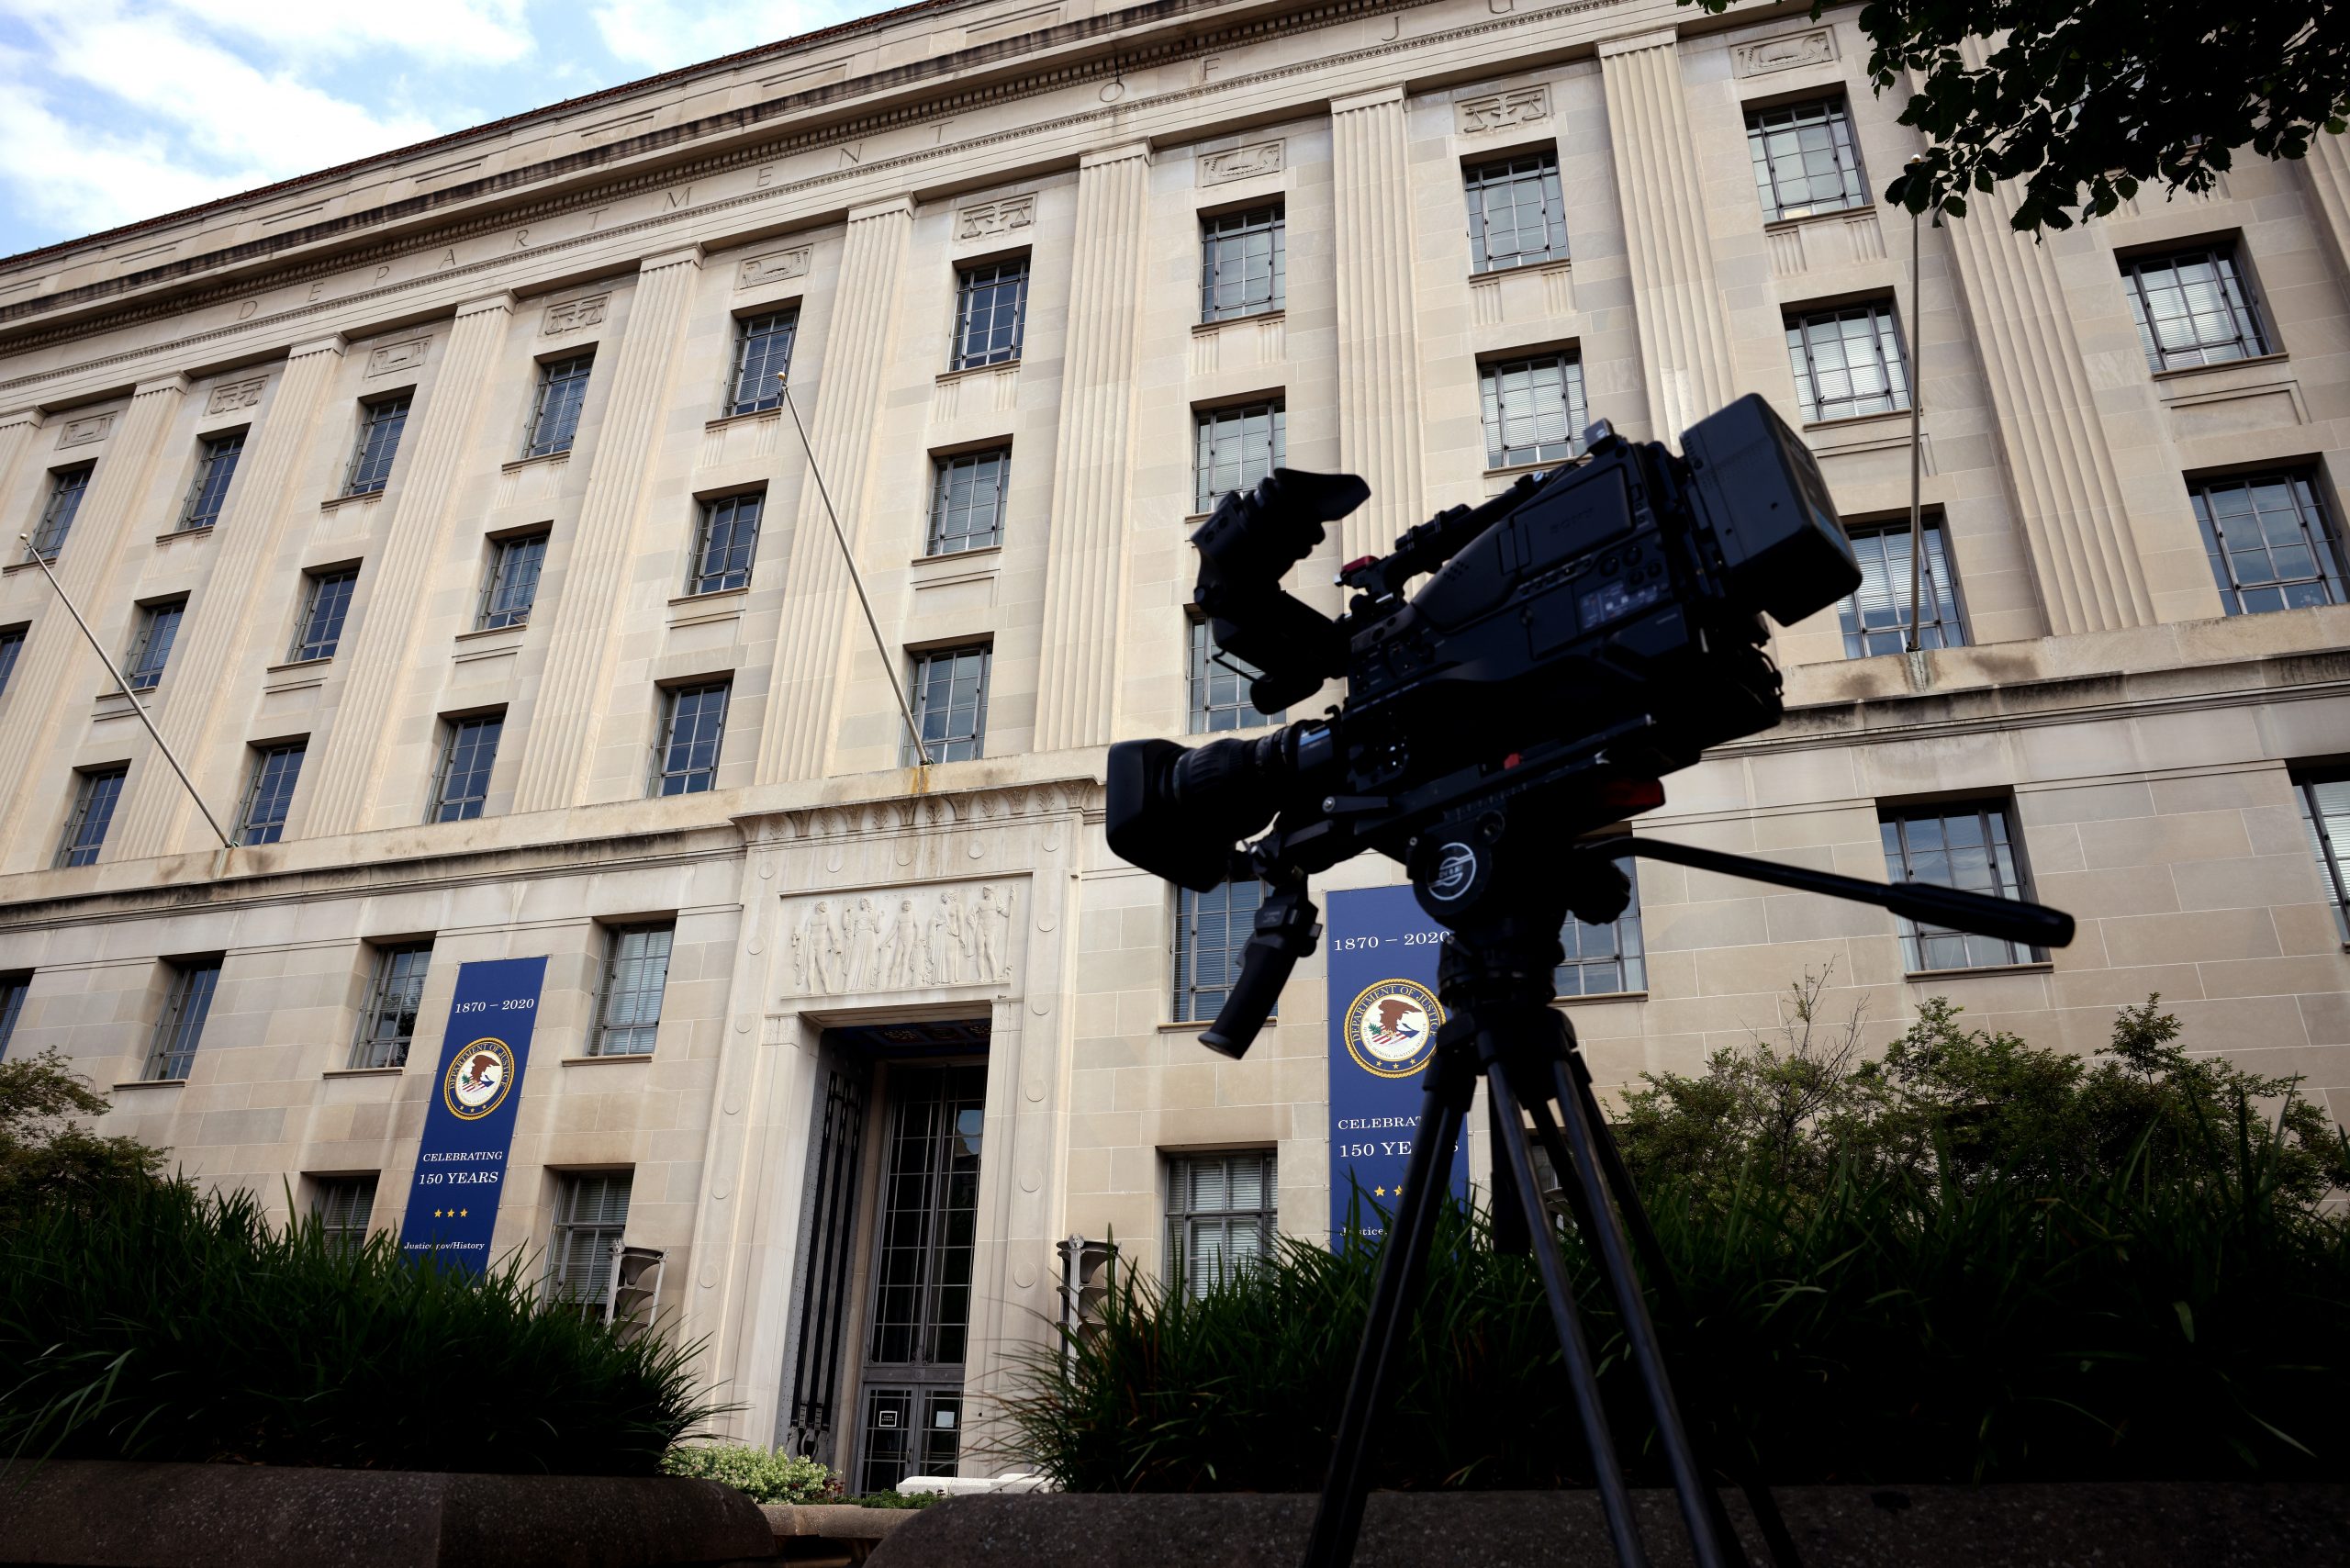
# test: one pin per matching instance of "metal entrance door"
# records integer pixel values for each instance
(912, 1400)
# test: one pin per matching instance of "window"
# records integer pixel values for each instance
(66, 488)
(724, 541)
(2270, 544)
(12, 1006)
(1875, 615)
(94, 798)
(1533, 410)
(991, 304)
(1804, 159)
(514, 585)
(1211, 928)
(270, 790)
(1517, 216)
(12, 643)
(1965, 844)
(966, 504)
(2324, 800)
(693, 724)
(1237, 447)
(387, 1024)
(380, 425)
(323, 614)
(554, 418)
(762, 357)
(467, 754)
(181, 1026)
(1604, 959)
(636, 972)
(150, 649)
(2192, 307)
(1220, 1215)
(1220, 687)
(1243, 266)
(215, 467)
(343, 1206)
(590, 1212)
(1848, 361)
(950, 705)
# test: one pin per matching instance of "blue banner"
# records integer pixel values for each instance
(1383, 1018)
(469, 1125)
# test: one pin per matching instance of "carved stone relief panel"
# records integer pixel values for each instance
(776, 266)
(991, 220)
(1499, 111)
(390, 357)
(894, 939)
(83, 431)
(1784, 52)
(230, 397)
(1242, 162)
(575, 314)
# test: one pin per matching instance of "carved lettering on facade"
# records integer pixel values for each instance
(776, 266)
(1784, 52)
(390, 357)
(230, 397)
(575, 314)
(1242, 162)
(1499, 111)
(989, 218)
(901, 940)
(83, 431)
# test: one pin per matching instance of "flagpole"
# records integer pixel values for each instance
(1917, 415)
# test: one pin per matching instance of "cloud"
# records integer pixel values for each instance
(660, 34)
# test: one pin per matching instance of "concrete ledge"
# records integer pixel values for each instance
(833, 1521)
(97, 1514)
(2108, 1525)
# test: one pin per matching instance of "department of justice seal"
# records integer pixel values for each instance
(477, 1080)
(1391, 1027)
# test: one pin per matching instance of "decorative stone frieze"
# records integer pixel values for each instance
(574, 315)
(1242, 162)
(231, 396)
(775, 266)
(85, 432)
(1784, 52)
(406, 355)
(896, 939)
(1500, 111)
(994, 219)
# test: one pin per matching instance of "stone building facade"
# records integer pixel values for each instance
(438, 510)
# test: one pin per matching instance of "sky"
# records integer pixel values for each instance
(116, 110)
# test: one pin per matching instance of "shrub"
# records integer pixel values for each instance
(45, 1156)
(160, 1324)
(763, 1475)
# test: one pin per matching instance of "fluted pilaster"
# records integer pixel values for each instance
(803, 691)
(1677, 302)
(343, 789)
(2328, 169)
(56, 668)
(222, 616)
(1379, 413)
(18, 428)
(585, 640)
(1085, 573)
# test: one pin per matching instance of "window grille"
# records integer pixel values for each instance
(270, 793)
(1221, 1216)
(396, 990)
(1804, 159)
(1516, 215)
(727, 539)
(214, 469)
(343, 1206)
(1243, 263)
(966, 501)
(1220, 687)
(380, 425)
(180, 1028)
(2324, 801)
(636, 973)
(151, 650)
(66, 488)
(590, 1213)
(94, 798)
(950, 703)
(1211, 929)
(762, 358)
(1875, 616)
(13, 990)
(1237, 447)
(1605, 958)
(467, 754)
(1533, 409)
(554, 418)
(2192, 307)
(922, 1292)
(513, 584)
(693, 727)
(12, 643)
(1848, 361)
(2269, 542)
(323, 615)
(991, 304)
(1968, 844)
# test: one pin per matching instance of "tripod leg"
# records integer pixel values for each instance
(1339, 1519)
(1614, 1500)
(1510, 1235)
